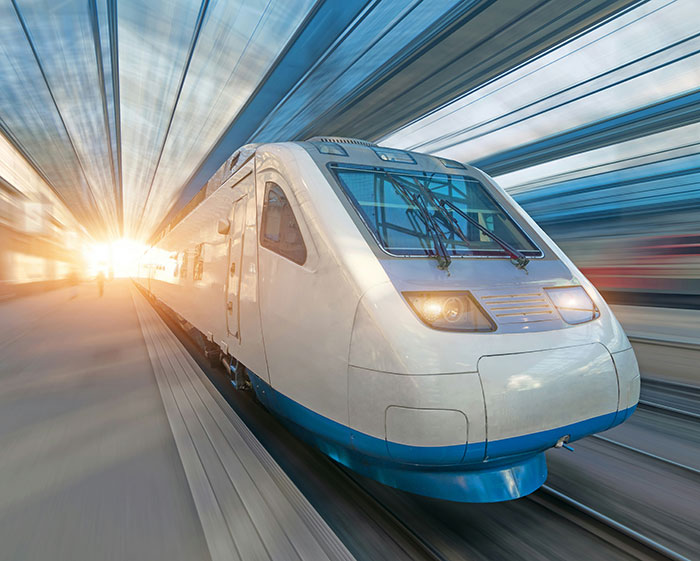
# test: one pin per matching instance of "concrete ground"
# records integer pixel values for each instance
(88, 465)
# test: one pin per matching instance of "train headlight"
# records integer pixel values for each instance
(451, 311)
(574, 304)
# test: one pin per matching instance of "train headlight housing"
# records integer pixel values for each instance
(450, 311)
(574, 304)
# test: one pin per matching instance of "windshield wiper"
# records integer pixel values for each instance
(443, 258)
(517, 258)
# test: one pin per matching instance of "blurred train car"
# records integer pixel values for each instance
(643, 269)
(37, 250)
(633, 231)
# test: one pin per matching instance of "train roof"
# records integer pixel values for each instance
(323, 150)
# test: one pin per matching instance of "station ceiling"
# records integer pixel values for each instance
(603, 128)
(127, 107)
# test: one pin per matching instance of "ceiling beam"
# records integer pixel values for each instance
(327, 22)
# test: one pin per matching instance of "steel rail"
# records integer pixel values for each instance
(421, 542)
(673, 385)
(669, 409)
(618, 527)
(645, 453)
(663, 342)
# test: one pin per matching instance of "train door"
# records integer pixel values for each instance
(233, 284)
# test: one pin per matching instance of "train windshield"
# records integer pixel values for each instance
(406, 211)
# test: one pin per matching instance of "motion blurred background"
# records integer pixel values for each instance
(116, 117)
(113, 115)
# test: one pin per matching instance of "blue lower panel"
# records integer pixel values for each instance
(547, 438)
(514, 468)
(470, 484)
(440, 455)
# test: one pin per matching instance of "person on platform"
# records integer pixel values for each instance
(101, 283)
(73, 281)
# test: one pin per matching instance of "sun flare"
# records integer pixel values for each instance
(118, 258)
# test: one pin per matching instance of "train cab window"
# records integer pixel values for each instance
(390, 201)
(280, 229)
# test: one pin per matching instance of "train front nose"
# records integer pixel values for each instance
(534, 399)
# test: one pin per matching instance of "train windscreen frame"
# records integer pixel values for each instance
(379, 196)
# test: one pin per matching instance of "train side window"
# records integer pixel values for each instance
(280, 229)
(198, 270)
(183, 266)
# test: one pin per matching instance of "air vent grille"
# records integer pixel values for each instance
(341, 140)
(518, 308)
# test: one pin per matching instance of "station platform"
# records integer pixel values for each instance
(115, 445)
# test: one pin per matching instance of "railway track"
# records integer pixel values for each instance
(646, 454)
(615, 533)
(668, 409)
(670, 387)
(431, 552)
(664, 343)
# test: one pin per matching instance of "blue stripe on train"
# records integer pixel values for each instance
(514, 467)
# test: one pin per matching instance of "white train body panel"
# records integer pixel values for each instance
(333, 346)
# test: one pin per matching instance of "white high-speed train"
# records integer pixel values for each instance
(400, 311)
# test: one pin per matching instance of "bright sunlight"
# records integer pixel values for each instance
(119, 258)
